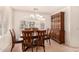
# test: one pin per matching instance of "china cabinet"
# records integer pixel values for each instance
(57, 27)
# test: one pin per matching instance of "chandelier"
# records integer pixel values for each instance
(36, 15)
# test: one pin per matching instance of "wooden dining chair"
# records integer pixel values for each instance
(27, 40)
(28, 29)
(40, 39)
(35, 29)
(48, 36)
(14, 40)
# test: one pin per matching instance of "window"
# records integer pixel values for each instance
(4, 22)
(23, 24)
(31, 24)
(27, 24)
(42, 25)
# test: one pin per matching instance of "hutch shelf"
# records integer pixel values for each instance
(57, 27)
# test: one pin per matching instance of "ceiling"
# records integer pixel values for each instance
(41, 9)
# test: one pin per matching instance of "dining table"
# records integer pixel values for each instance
(33, 36)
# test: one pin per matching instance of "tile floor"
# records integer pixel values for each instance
(54, 47)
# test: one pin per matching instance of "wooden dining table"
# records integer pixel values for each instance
(34, 38)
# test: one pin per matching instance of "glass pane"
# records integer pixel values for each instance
(31, 24)
(42, 25)
(23, 24)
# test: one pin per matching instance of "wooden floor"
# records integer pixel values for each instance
(54, 47)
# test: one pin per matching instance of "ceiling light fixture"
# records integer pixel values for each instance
(36, 15)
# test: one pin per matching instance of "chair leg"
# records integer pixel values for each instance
(23, 47)
(44, 48)
(49, 42)
(12, 48)
(32, 49)
(37, 49)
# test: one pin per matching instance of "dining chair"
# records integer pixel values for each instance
(27, 40)
(28, 28)
(40, 39)
(48, 36)
(14, 40)
(35, 29)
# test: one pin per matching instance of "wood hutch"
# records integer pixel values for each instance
(57, 27)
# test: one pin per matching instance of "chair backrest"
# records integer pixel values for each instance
(41, 36)
(35, 29)
(48, 31)
(27, 37)
(28, 29)
(12, 35)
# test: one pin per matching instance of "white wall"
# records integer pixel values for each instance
(5, 40)
(24, 15)
(74, 26)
